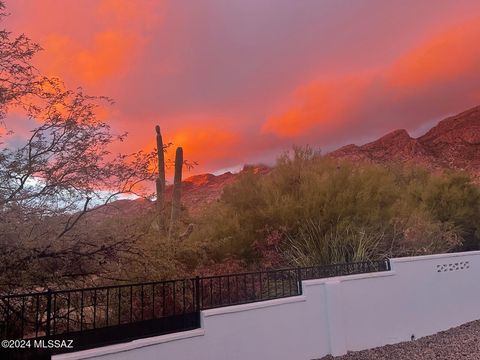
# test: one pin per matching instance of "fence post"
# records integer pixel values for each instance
(299, 279)
(6, 326)
(49, 312)
(197, 293)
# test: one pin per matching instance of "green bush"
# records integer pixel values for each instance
(333, 211)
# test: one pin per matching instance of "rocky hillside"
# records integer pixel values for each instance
(453, 144)
(197, 192)
(200, 190)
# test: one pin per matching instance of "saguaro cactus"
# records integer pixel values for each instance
(160, 182)
(177, 191)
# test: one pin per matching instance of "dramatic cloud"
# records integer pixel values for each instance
(434, 79)
(317, 105)
(447, 56)
(239, 81)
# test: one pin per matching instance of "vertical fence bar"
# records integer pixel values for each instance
(290, 282)
(184, 296)
(153, 301)
(299, 281)
(228, 290)
(174, 297)
(81, 311)
(237, 288)
(7, 317)
(131, 303)
(49, 312)
(247, 293)
(119, 295)
(23, 316)
(37, 310)
(220, 290)
(68, 311)
(107, 309)
(268, 285)
(276, 283)
(54, 313)
(211, 292)
(261, 286)
(142, 301)
(253, 297)
(163, 299)
(95, 308)
(198, 289)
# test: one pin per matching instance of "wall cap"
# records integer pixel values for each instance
(434, 257)
(252, 306)
(134, 344)
(339, 279)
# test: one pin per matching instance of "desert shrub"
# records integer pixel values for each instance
(333, 211)
(454, 199)
(310, 244)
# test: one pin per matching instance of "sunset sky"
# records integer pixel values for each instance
(239, 81)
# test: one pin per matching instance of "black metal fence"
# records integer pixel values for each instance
(104, 315)
(110, 314)
(326, 271)
(243, 288)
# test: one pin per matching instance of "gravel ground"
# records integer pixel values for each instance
(460, 343)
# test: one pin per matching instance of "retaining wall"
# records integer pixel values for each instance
(419, 296)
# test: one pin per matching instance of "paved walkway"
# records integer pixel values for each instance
(460, 343)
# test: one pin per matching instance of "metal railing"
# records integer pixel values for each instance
(243, 288)
(102, 315)
(326, 271)
(110, 314)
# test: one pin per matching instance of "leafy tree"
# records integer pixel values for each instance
(53, 176)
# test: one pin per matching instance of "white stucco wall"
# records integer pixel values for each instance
(249, 331)
(419, 296)
(417, 300)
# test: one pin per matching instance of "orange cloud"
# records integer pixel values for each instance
(328, 106)
(203, 142)
(92, 41)
(317, 104)
(108, 56)
(208, 141)
(445, 56)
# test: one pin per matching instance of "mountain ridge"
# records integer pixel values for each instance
(454, 143)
